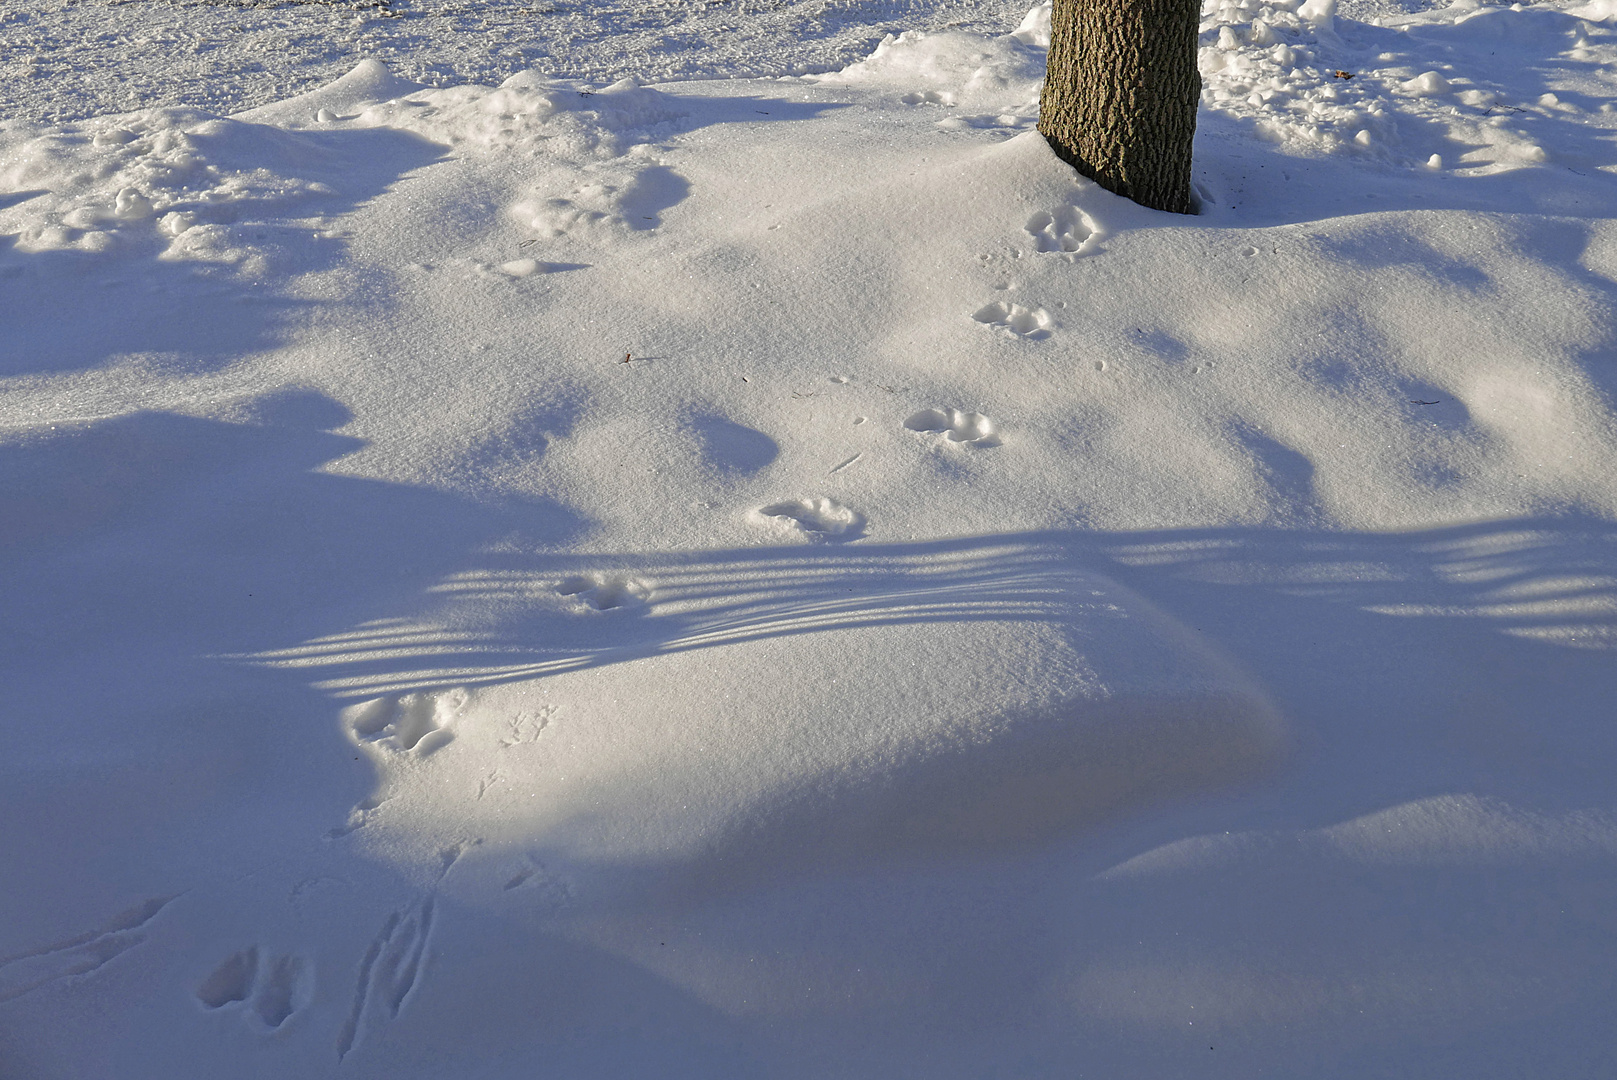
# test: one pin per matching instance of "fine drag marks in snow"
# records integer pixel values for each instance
(393, 962)
(82, 954)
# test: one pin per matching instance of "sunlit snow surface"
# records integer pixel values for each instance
(227, 55)
(583, 576)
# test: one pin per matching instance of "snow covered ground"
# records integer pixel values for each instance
(779, 577)
(227, 55)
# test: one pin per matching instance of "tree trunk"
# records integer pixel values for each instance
(1120, 95)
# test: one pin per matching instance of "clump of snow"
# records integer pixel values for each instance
(365, 83)
(1034, 28)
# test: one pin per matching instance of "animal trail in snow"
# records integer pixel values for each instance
(970, 429)
(417, 723)
(24, 972)
(524, 875)
(273, 989)
(279, 994)
(1031, 323)
(818, 519)
(604, 592)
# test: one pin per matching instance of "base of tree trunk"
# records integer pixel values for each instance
(1120, 95)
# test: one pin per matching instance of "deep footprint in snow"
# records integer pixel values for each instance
(818, 519)
(1065, 229)
(969, 429)
(231, 981)
(603, 592)
(1032, 323)
(417, 722)
(280, 992)
(275, 989)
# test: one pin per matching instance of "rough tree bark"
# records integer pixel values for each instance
(1120, 94)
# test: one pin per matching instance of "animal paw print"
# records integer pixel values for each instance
(408, 722)
(969, 429)
(1032, 323)
(269, 989)
(1066, 229)
(818, 519)
(606, 591)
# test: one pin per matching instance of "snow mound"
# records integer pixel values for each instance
(527, 113)
(950, 69)
(915, 709)
(367, 83)
(1034, 28)
(189, 186)
(1446, 830)
(248, 193)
